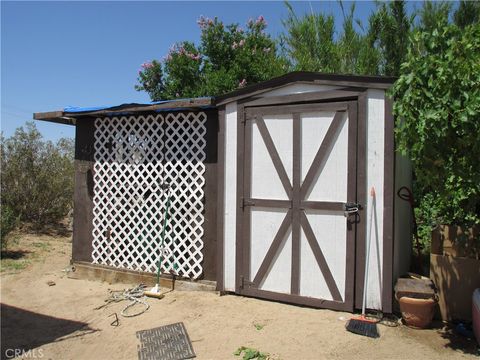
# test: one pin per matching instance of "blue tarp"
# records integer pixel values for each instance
(78, 109)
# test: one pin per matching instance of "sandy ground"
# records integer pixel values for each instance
(59, 322)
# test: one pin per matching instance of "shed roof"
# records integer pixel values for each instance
(354, 81)
(69, 114)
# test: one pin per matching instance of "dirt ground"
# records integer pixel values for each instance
(59, 321)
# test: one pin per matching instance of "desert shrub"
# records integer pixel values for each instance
(37, 177)
(8, 222)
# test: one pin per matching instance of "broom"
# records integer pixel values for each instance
(361, 325)
(155, 291)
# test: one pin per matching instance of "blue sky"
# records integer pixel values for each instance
(55, 54)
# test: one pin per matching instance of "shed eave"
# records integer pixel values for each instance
(70, 117)
(352, 81)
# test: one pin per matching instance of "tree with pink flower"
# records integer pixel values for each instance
(228, 57)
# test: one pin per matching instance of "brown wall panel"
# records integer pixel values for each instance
(210, 224)
(83, 192)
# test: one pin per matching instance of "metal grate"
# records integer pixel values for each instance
(133, 156)
(169, 342)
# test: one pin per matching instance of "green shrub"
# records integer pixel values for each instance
(438, 112)
(8, 222)
(37, 176)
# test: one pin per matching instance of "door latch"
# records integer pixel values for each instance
(350, 208)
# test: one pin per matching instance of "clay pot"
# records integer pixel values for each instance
(417, 313)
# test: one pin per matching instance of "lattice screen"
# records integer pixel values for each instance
(133, 156)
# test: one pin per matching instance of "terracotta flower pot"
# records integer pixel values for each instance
(417, 313)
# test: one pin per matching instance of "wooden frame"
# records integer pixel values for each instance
(240, 185)
(220, 199)
(295, 192)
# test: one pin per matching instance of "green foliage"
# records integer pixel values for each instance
(250, 354)
(37, 176)
(311, 45)
(8, 223)
(309, 41)
(438, 111)
(356, 56)
(227, 58)
(434, 15)
(150, 79)
(389, 32)
(8, 265)
(468, 13)
(258, 326)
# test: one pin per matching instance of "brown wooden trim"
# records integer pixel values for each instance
(361, 197)
(296, 299)
(221, 199)
(388, 207)
(209, 262)
(296, 182)
(322, 263)
(247, 193)
(61, 119)
(322, 153)
(372, 82)
(96, 272)
(331, 95)
(273, 250)
(270, 203)
(322, 205)
(240, 179)
(351, 197)
(300, 108)
(48, 115)
(82, 237)
(272, 150)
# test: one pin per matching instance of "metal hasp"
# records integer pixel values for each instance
(350, 208)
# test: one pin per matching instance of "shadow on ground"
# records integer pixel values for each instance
(26, 330)
(463, 343)
(14, 254)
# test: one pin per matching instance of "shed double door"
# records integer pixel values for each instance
(298, 211)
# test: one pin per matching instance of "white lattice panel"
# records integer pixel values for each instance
(133, 155)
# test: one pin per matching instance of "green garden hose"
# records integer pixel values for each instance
(165, 222)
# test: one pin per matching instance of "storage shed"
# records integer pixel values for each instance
(269, 186)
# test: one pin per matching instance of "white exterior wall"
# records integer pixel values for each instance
(375, 176)
(230, 196)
